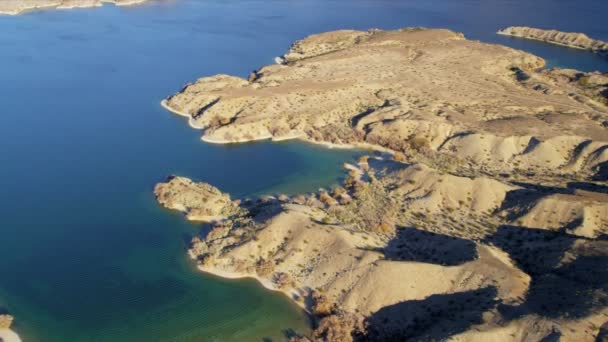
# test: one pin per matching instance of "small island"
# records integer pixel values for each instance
(14, 7)
(481, 211)
(6, 334)
(568, 39)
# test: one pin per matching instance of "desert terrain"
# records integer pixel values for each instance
(14, 7)
(480, 213)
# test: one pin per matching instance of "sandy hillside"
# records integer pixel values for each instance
(427, 92)
(484, 218)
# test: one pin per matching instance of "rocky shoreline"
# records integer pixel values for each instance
(569, 39)
(15, 7)
(487, 211)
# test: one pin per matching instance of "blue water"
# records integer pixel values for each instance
(85, 252)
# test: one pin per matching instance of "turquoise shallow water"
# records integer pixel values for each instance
(85, 252)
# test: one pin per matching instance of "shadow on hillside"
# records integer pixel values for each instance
(554, 336)
(602, 172)
(432, 319)
(602, 336)
(559, 288)
(411, 244)
(588, 187)
(536, 251)
(385, 165)
(519, 197)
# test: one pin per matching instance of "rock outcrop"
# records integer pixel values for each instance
(569, 39)
(198, 201)
(14, 7)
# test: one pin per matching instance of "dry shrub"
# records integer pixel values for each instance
(326, 199)
(399, 157)
(219, 231)
(215, 122)
(282, 280)
(338, 191)
(419, 143)
(385, 227)
(264, 267)
(337, 328)
(279, 129)
(321, 306)
(352, 179)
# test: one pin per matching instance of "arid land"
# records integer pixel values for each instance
(483, 214)
(14, 7)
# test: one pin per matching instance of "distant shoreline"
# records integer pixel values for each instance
(572, 40)
(16, 8)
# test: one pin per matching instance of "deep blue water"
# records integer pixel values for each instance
(85, 252)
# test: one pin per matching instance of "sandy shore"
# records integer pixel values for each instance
(292, 294)
(7, 335)
(191, 121)
(300, 136)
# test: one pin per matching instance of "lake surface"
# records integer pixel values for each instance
(85, 252)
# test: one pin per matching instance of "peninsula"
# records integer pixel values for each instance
(568, 39)
(14, 7)
(481, 214)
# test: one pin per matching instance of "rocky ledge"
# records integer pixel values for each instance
(484, 218)
(14, 7)
(569, 39)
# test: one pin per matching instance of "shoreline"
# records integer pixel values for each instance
(164, 104)
(301, 136)
(267, 284)
(592, 44)
(24, 9)
(544, 41)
